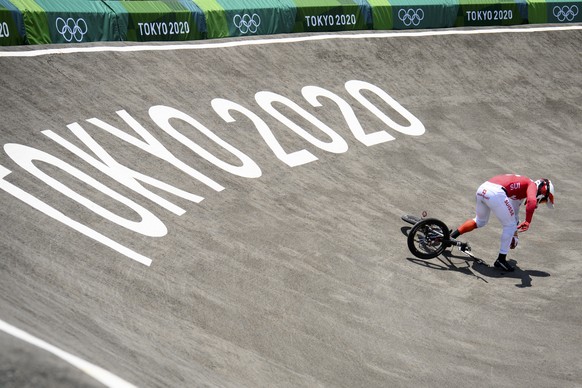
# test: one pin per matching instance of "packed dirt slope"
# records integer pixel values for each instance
(293, 269)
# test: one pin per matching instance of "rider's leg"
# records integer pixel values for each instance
(506, 213)
(466, 227)
(482, 212)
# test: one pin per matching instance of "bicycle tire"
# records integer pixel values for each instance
(410, 219)
(428, 238)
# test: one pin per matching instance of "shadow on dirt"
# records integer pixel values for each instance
(448, 261)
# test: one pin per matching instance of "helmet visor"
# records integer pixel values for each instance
(548, 201)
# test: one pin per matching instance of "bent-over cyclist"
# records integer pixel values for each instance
(503, 195)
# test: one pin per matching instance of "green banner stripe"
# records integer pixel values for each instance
(216, 24)
(381, 15)
(35, 22)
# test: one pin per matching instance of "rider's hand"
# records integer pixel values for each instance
(524, 226)
(514, 242)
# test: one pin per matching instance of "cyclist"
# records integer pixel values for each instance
(503, 195)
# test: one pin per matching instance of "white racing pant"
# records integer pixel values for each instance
(492, 198)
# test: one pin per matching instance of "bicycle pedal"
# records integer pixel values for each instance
(464, 247)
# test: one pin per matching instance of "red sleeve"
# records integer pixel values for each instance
(531, 201)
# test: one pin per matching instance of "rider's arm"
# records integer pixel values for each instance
(530, 206)
(531, 202)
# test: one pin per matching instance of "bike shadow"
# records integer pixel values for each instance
(482, 271)
(449, 261)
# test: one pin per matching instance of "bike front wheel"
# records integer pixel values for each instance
(428, 238)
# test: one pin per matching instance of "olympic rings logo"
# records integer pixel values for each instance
(411, 16)
(71, 29)
(247, 23)
(565, 13)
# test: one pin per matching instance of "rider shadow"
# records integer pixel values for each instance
(525, 275)
(476, 267)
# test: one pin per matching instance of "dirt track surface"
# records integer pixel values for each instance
(302, 276)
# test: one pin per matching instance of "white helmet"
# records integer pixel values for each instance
(545, 192)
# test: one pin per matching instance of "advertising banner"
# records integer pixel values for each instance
(332, 15)
(540, 11)
(226, 18)
(409, 14)
(142, 21)
(11, 25)
(67, 21)
(491, 13)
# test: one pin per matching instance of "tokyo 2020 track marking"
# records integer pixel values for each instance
(99, 374)
(277, 40)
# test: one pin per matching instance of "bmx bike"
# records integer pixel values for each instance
(430, 237)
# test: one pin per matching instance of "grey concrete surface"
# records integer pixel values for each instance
(300, 277)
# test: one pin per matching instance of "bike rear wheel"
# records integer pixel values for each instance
(428, 238)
